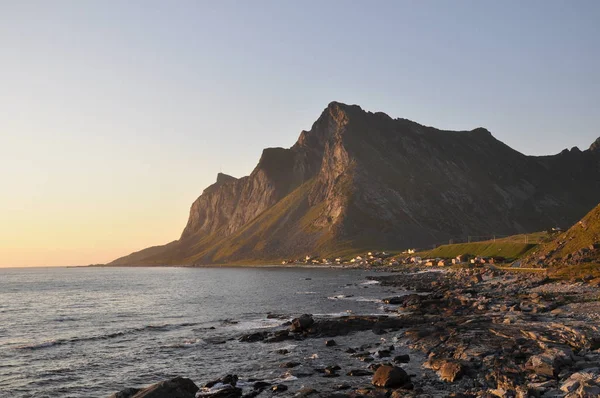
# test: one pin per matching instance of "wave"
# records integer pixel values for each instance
(288, 347)
(36, 346)
(188, 343)
(106, 336)
(261, 323)
(354, 298)
(340, 297)
(335, 314)
(371, 282)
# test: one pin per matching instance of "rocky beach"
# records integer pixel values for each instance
(461, 332)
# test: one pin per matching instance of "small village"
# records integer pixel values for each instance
(408, 257)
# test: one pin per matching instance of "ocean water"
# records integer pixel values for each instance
(88, 332)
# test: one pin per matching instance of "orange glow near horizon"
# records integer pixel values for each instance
(83, 237)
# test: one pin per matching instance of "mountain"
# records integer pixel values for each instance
(575, 252)
(360, 180)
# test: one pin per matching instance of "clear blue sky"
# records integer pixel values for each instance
(114, 115)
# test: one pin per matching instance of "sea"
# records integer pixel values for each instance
(89, 332)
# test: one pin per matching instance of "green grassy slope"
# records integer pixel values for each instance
(507, 250)
(510, 247)
(573, 253)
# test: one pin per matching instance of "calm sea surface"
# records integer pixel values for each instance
(88, 332)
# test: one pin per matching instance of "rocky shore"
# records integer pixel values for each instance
(473, 332)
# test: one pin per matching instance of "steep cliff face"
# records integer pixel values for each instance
(359, 179)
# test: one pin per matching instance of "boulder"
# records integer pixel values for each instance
(227, 379)
(228, 391)
(126, 393)
(359, 372)
(390, 377)
(302, 323)
(261, 385)
(548, 363)
(179, 387)
(254, 337)
(402, 358)
(450, 371)
(278, 336)
(279, 388)
(404, 301)
(306, 392)
(289, 365)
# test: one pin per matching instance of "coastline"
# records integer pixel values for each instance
(472, 332)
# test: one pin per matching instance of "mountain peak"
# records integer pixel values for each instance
(222, 178)
(595, 147)
(359, 179)
(482, 130)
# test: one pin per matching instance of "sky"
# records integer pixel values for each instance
(114, 116)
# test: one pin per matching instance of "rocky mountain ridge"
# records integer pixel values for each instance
(359, 180)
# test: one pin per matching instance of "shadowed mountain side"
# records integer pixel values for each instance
(361, 180)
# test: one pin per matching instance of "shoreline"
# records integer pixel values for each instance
(472, 332)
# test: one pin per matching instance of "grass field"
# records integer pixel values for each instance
(506, 248)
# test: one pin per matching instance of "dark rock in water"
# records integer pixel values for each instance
(261, 385)
(282, 351)
(279, 388)
(390, 377)
(280, 335)
(331, 371)
(404, 301)
(179, 387)
(393, 300)
(254, 337)
(350, 351)
(270, 315)
(383, 353)
(228, 391)
(330, 343)
(126, 393)
(305, 392)
(402, 358)
(302, 323)
(359, 372)
(289, 365)
(227, 379)
(354, 323)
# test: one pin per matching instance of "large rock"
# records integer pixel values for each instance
(179, 387)
(390, 377)
(302, 323)
(549, 363)
(227, 391)
(450, 371)
(582, 384)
